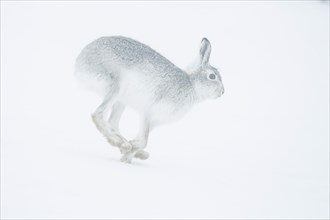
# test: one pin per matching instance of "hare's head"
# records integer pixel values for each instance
(206, 78)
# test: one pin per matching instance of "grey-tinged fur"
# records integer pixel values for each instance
(132, 74)
(105, 56)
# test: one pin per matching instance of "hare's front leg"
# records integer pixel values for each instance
(139, 143)
(110, 131)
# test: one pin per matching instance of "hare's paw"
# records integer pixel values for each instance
(127, 157)
(125, 147)
(142, 155)
(137, 153)
(114, 139)
(138, 144)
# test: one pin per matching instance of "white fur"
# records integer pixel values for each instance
(130, 74)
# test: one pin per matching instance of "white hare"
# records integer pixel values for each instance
(129, 73)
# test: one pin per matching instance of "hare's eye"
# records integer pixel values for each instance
(212, 76)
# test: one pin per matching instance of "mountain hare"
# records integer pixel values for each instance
(129, 73)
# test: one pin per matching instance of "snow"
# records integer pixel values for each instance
(260, 151)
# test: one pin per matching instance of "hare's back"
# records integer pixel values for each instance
(132, 53)
(111, 54)
(123, 60)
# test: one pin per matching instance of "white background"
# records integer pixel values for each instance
(260, 151)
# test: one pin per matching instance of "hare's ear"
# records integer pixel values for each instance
(205, 52)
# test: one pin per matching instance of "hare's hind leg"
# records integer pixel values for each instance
(139, 143)
(99, 119)
(116, 113)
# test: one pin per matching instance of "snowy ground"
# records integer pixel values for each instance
(260, 151)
